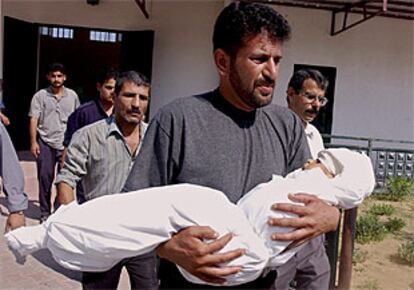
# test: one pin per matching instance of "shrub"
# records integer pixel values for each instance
(397, 188)
(394, 225)
(358, 256)
(406, 252)
(382, 209)
(369, 228)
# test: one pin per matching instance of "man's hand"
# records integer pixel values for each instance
(201, 259)
(5, 119)
(35, 149)
(315, 217)
(14, 221)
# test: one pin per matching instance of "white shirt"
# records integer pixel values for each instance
(315, 141)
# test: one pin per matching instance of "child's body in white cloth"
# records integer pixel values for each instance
(96, 235)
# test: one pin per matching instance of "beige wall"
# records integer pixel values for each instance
(374, 93)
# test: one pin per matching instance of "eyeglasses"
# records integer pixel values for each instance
(310, 98)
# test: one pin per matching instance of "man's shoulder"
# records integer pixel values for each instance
(70, 92)
(41, 93)
(280, 114)
(86, 107)
(184, 106)
(97, 129)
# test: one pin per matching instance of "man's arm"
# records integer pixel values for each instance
(34, 146)
(13, 180)
(65, 193)
(74, 167)
(4, 119)
(157, 164)
(315, 217)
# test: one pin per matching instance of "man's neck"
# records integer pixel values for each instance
(107, 107)
(128, 129)
(230, 96)
(58, 92)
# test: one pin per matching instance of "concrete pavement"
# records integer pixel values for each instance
(39, 271)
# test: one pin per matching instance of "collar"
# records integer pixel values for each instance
(50, 92)
(239, 116)
(308, 130)
(114, 129)
(100, 108)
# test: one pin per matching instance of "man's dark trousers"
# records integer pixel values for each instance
(46, 164)
(142, 271)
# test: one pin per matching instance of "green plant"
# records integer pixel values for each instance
(397, 188)
(369, 228)
(370, 284)
(359, 256)
(394, 225)
(382, 209)
(406, 252)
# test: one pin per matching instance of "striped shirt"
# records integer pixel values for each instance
(99, 156)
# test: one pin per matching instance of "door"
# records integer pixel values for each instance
(19, 74)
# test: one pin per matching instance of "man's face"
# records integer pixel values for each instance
(300, 102)
(131, 103)
(56, 79)
(106, 90)
(254, 69)
(314, 163)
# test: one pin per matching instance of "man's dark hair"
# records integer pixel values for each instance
(242, 19)
(56, 66)
(131, 76)
(298, 78)
(106, 74)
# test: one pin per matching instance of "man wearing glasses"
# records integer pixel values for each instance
(305, 97)
(309, 267)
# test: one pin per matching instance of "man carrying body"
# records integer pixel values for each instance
(305, 97)
(12, 181)
(230, 139)
(49, 112)
(101, 155)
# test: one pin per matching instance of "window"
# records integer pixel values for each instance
(56, 32)
(105, 36)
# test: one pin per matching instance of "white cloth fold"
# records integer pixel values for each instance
(96, 235)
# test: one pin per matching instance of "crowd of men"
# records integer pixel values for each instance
(231, 139)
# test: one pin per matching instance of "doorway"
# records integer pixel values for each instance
(324, 120)
(30, 47)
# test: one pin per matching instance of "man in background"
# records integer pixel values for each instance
(101, 156)
(98, 109)
(306, 96)
(49, 112)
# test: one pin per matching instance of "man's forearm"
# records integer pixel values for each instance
(65, 193)
(33, 129)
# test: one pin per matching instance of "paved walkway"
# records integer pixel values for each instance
(40, 271)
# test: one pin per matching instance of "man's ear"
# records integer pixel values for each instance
(222, 61)
(98, 86)
(290, 94)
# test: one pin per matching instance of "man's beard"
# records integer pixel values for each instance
(245, 94)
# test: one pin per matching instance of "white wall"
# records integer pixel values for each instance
(374, 93)
(182, 62)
